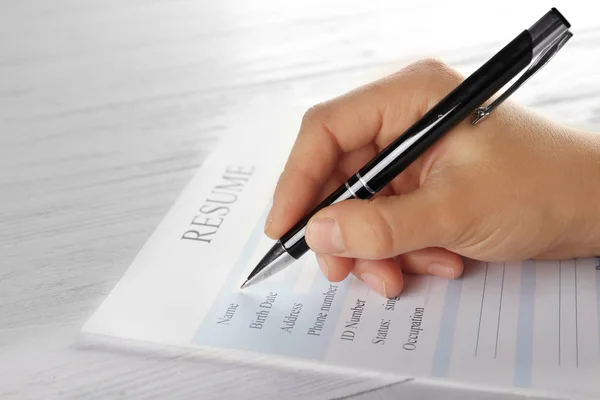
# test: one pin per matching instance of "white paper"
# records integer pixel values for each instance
(531, 325)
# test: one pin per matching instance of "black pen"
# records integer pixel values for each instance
(538, 44)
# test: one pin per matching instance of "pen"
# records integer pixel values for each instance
(534, 47)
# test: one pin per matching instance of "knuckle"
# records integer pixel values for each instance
(317, 119)
(442, 72)
(316, 113)
(435, 80)
(428, 67)
(433, 65)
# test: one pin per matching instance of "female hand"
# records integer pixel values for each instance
(516, 186)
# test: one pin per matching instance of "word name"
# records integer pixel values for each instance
(229, 313)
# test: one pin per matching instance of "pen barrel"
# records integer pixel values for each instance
(451, 110)
(294, 240)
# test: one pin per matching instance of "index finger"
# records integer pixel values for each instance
(376, 112)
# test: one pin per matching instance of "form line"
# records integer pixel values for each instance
(576, 321)
(559, 304)
(499, 310)
(481, 309)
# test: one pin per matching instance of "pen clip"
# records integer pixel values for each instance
(538, 63)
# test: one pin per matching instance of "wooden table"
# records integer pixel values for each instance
(107, 108)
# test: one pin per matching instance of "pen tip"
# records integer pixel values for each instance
(244, 284)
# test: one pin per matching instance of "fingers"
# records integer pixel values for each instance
(324, 135)
(432, 261)
(382, 276)
(386, 226)
(335, 269)
(374, 113)
(385, 276)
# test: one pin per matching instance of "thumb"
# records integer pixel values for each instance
(384, 226)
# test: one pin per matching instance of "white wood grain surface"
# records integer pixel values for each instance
(107, 107)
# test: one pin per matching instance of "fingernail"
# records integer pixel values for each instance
(441, 270)
(375, 283)
(324, 236)
(322, 261)
(268, 221)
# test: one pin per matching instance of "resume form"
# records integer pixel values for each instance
(530, 325)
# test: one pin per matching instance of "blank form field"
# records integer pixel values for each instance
(490, 311)
(568, 346)
(587, 312)
(506, 340)
(546, 315)
(467, 323)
